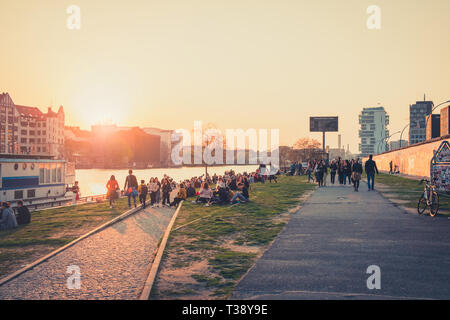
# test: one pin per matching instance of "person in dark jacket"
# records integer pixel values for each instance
(333, 170)
(371, 167)
(356, 173)
(23, 214)
(131, 186)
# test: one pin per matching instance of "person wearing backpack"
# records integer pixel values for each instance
(112, 186)
(143, 190)
(131, 186)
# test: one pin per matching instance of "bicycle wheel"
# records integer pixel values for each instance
(422, 205)
(434, 208)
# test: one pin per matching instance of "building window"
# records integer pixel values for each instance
(18, 194)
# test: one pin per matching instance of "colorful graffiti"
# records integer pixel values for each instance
(440, 167)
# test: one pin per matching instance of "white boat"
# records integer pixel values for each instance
(35, 180)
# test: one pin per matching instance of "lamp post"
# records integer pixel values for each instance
(385, 139)
(426, 118)
(402, 134)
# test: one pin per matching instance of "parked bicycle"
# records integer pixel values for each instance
(429, 199)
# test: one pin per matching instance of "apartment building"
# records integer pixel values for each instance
(27, 130)
(373, 131)
(417, 118)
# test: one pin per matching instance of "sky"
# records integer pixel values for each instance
(237, 63)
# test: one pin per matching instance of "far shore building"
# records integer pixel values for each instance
(394, 145)
(373, 131)
(110, 146)
(27, 130)
(165, 144)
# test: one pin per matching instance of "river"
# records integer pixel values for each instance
(93, 181)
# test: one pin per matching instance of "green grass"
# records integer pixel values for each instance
(206, 233)
(408, 190)
(50, 229)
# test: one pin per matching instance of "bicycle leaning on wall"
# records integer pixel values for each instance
(429, 199)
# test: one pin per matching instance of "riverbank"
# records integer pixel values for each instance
(211, 248)
(51, 229)
(93, 181)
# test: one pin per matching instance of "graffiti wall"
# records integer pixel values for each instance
(440, 167)
(413, 161)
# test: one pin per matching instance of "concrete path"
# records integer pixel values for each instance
(113, 263)
(324, 252)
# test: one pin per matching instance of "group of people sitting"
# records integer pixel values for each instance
(10, 219)
(216, 189)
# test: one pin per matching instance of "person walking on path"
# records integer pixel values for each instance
(341, 171)
(166, 190)
(131, 186)
(325, 173)
(371, 167)
(112, 186)
(143, 190)
(356, 173)
(333, 170)
(158, 192)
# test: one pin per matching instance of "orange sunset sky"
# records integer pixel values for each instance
(238, 64)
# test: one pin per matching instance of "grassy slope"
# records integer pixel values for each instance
(50, 229)
(224, 241)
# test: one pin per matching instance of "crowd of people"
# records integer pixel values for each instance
(229, 188)
(347, 172)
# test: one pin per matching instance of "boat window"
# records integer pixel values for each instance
(47, 173)
(41, 173)
(54, 172)
(31, 193)
(18, 194)
(59, 172)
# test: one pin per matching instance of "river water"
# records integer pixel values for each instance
(93, 181)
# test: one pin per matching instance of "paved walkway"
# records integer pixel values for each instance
(114, 263)
(324, 252)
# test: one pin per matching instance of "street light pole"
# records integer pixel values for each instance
(402, 134)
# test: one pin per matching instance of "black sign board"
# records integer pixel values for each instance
(323, 124)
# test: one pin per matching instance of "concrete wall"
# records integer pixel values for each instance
(413, 160)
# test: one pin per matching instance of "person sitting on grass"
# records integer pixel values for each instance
(23, 214)
(205, 195)
(181, 195)
(241, 195)
(190, 190)
(8, 218)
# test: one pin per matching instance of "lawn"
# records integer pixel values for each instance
(211, 248)
(50, 229)
(406, 191)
